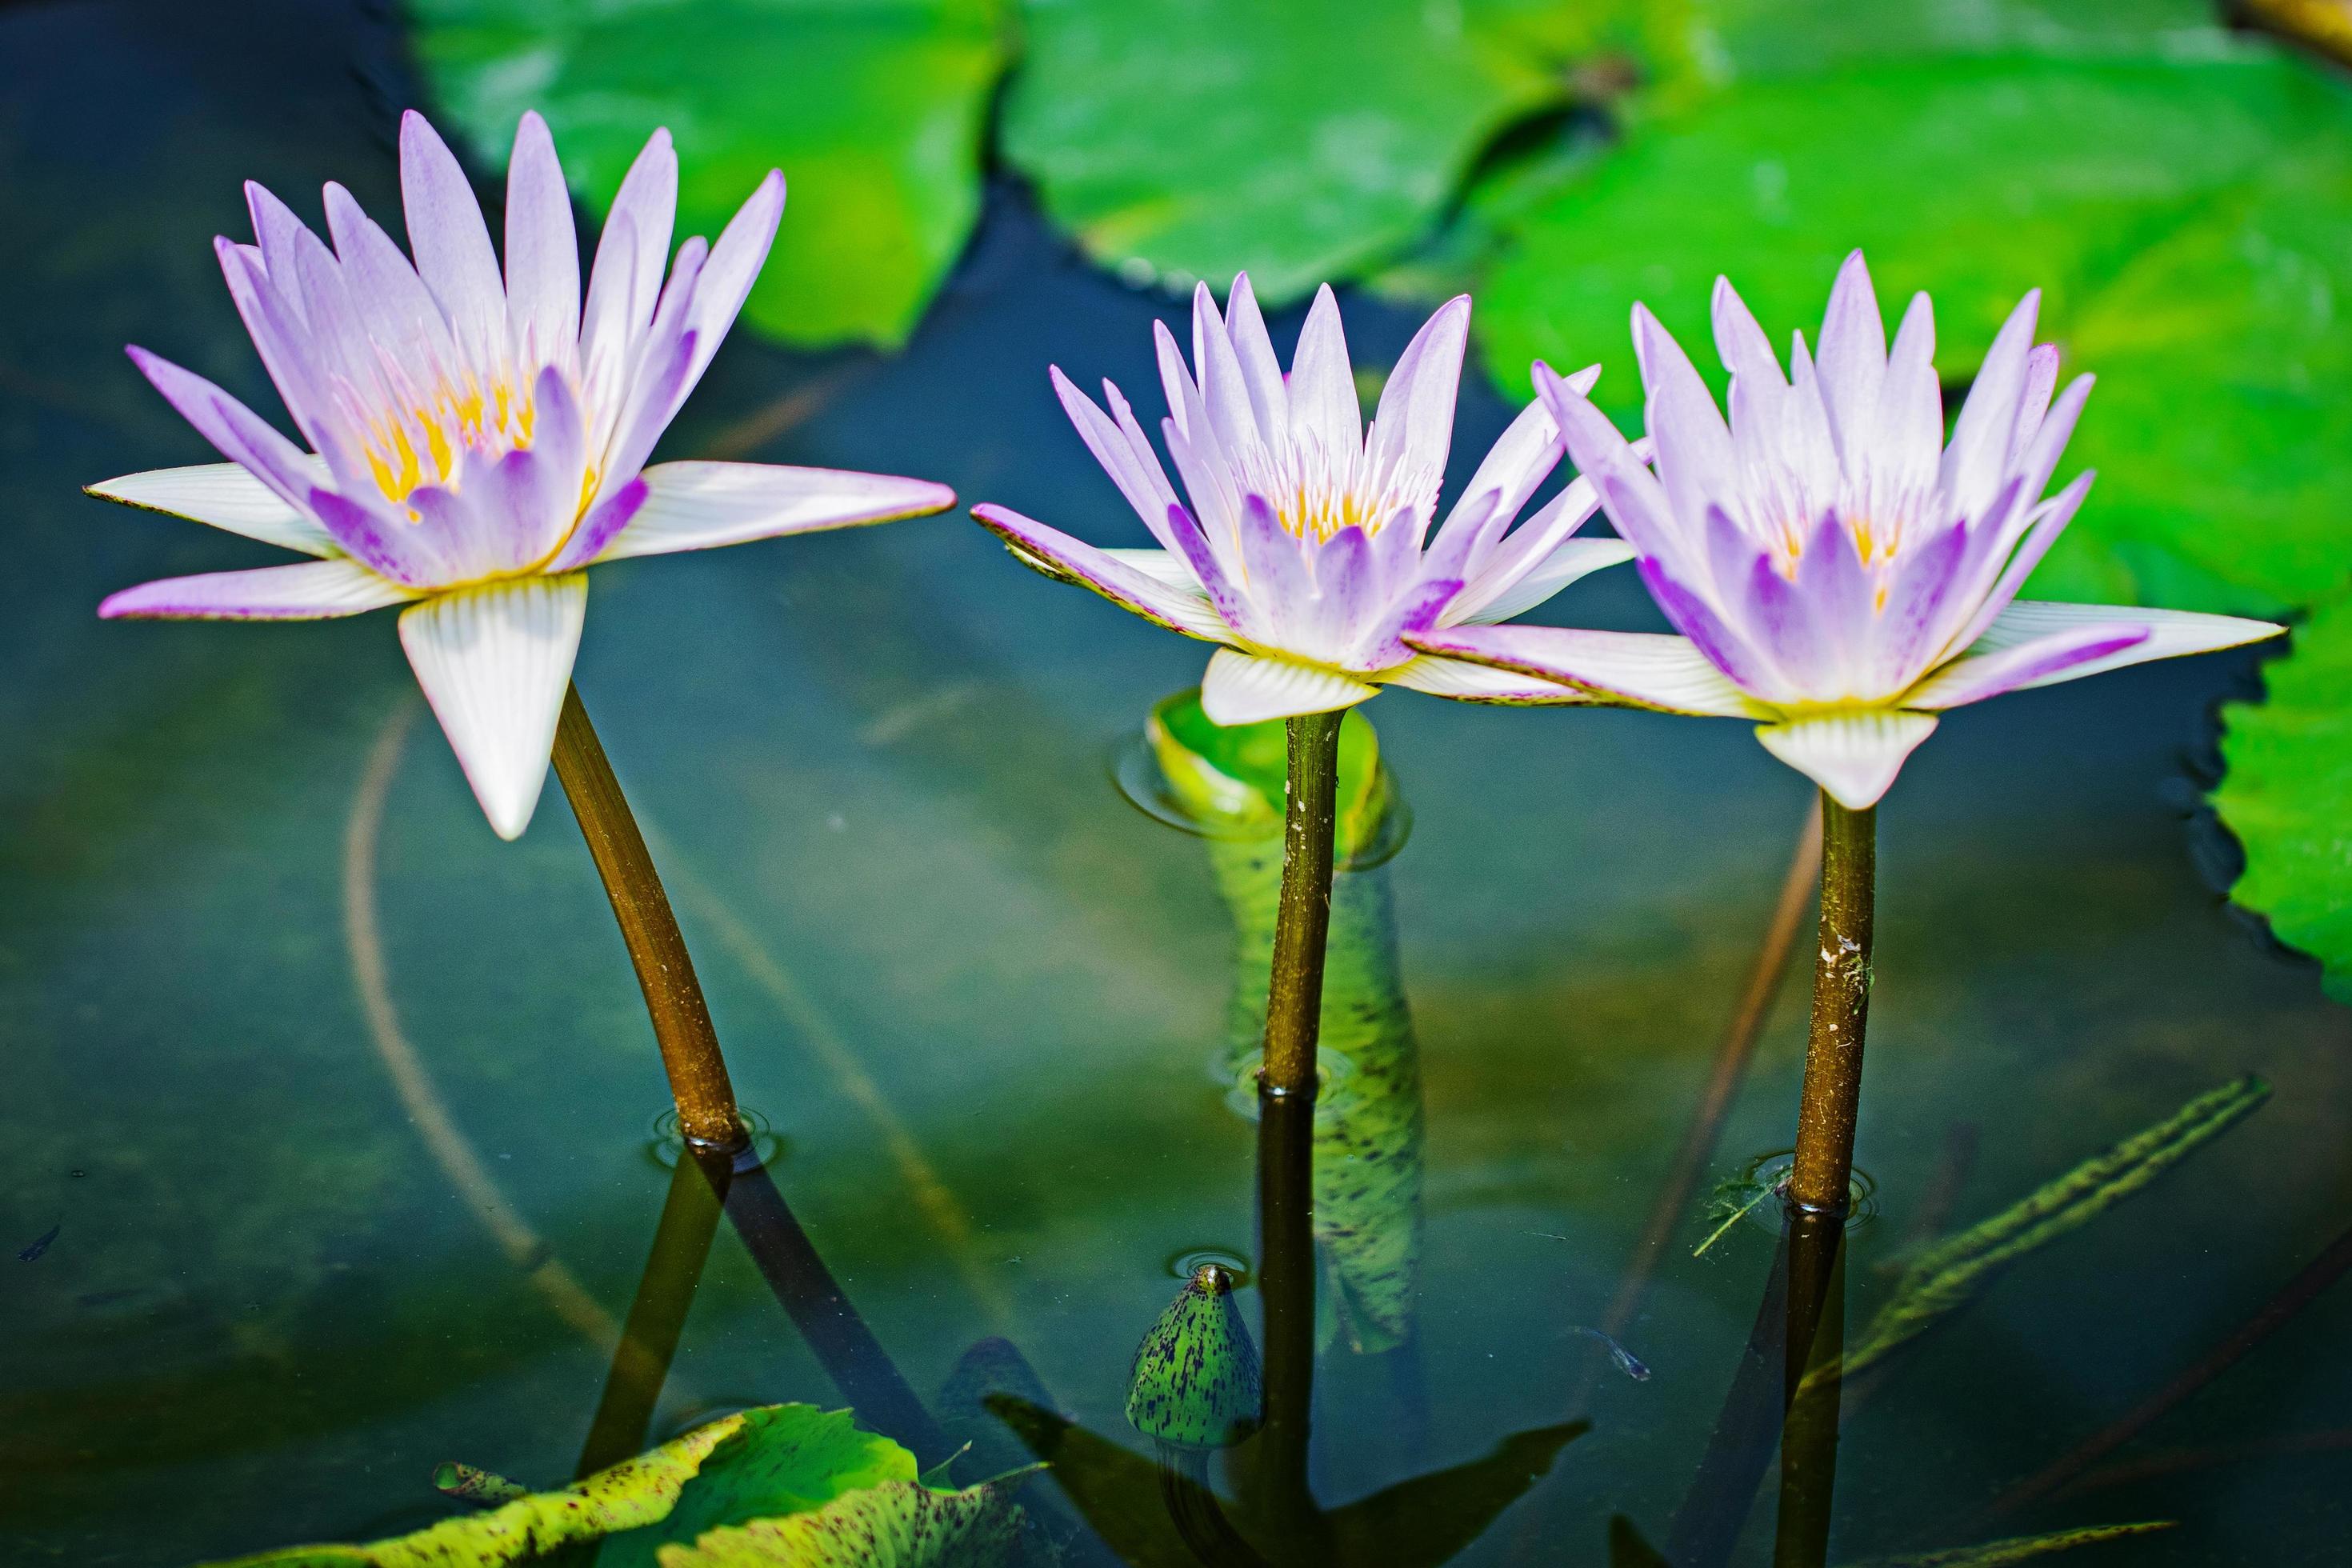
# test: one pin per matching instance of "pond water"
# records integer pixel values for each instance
(267, 980)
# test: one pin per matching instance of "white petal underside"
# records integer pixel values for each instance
(308, 591)
(2171, 633)
(226, 496)
(1853, 756)
(494, 662)
(1466, 682)
(1635, 669)
(1572, 559)
(1244, 688)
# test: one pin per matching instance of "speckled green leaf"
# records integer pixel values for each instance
(898, 1524)
(875, 111)
(2189, 220)
(2288, 794)
(1369, 1120)
(1182, 138)
(635, 1492)
(1194, 1383)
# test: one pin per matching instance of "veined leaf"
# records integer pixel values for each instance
(2017, 1548)
(897, 1524)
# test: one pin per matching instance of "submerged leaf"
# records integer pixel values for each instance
(2290, 774)
(1369, 1125)
(2016, 1549)
(874, 112)
(1951, 1273)
(1194, 1383)
(897, 1524)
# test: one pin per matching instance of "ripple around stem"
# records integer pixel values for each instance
(1183, 1264)
(665, 1145)
(1136, 773)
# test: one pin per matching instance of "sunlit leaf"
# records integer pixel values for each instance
(1183, 138)
(2189, 220)
(2290, 776)
(875, 111)
(898, 1524)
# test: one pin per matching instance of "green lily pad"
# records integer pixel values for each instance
(1183, 138)
(895, 1525)
(2017, 1548)
(875, 111)
(1194, 1383)
(2189, 220)
(2290, 762)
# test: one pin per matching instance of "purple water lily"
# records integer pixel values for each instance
(475, 441)
(1302, 549)
(1836, 569)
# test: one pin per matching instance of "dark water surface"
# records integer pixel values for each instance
(978, 996)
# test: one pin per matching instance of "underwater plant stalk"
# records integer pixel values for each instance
(641, 1362)
(1824, 1176)
(1808, 1432)
(1286, 1282)
(1295, 990)
(681, 1019)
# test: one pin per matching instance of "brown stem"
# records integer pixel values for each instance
(641, 1362)
(1809, 1434)
(681, 1019)
(1832, 1087)
(2298, 1293)
(1294, 1003)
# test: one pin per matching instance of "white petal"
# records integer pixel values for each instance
(2171, 633)
(1164, 567)
(226, 496)
(1574, 558)
(494, 662)
(1242, 688)
(698, 506)
(1635, 669)
(1853, 756)
(1132, 579)
(1467, 682)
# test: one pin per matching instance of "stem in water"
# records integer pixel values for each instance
(1295, 992)
(681, 1019)
(1832, 1091)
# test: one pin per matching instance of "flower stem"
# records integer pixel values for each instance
(1295, 992)
(681, 1019)
(1832, 1087)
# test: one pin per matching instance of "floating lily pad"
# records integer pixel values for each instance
(1182, 138)
(2189, 220)
(2290, 774)
(875, 111)
(896, 1525)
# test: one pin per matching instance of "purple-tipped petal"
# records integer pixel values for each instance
(542, 252)
(314, 590)
(494, 662)
(726, 278)
(1149, 594)
(1416, 611)
(1633, 669)
(451, 243)
(1323, 403)
(1853, 756)
(1699, 621)
(1136, 473)
(1260, 370)
(594, 533)
(704, 505)
(1974, 677)
(1852, 364)
(1746, 351)
(1414, 428)
(1977, 461)
(1244, 688)
(1910, 440)
(2171, 634)
(227, 496)
(240, 435)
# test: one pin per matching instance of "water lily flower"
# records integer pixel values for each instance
(475, 441)
(1302, 550)
(1837, 572)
